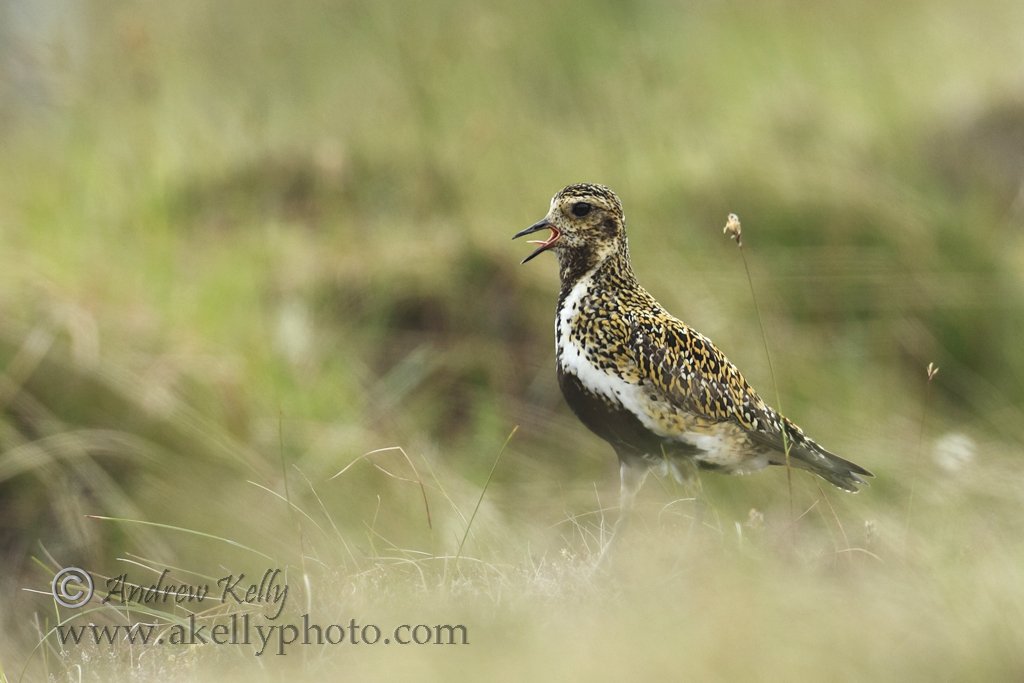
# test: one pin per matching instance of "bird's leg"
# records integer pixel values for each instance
(687, 475)
(631, 478)
(694, 489)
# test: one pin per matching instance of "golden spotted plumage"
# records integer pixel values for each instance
(656, 389)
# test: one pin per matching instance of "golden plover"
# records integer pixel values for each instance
(657, 390)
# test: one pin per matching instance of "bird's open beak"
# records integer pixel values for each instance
(542, 224)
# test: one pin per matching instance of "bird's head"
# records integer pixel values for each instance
(586, 225)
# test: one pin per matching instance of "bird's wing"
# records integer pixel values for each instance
(692, 374)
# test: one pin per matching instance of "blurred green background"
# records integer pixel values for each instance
(249, 243)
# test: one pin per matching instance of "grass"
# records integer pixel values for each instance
(715, 588)
(734, 230)
(246, 246)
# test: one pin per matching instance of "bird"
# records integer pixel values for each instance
(660, 392)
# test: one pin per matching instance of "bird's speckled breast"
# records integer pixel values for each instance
(593, 338)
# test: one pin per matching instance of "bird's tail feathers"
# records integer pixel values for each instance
(806, 454)
(839, 472)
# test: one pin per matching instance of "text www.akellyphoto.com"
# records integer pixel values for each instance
(240, 630)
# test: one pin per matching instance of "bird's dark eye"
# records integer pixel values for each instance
(581, 209)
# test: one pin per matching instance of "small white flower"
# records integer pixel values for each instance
(954, 451)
